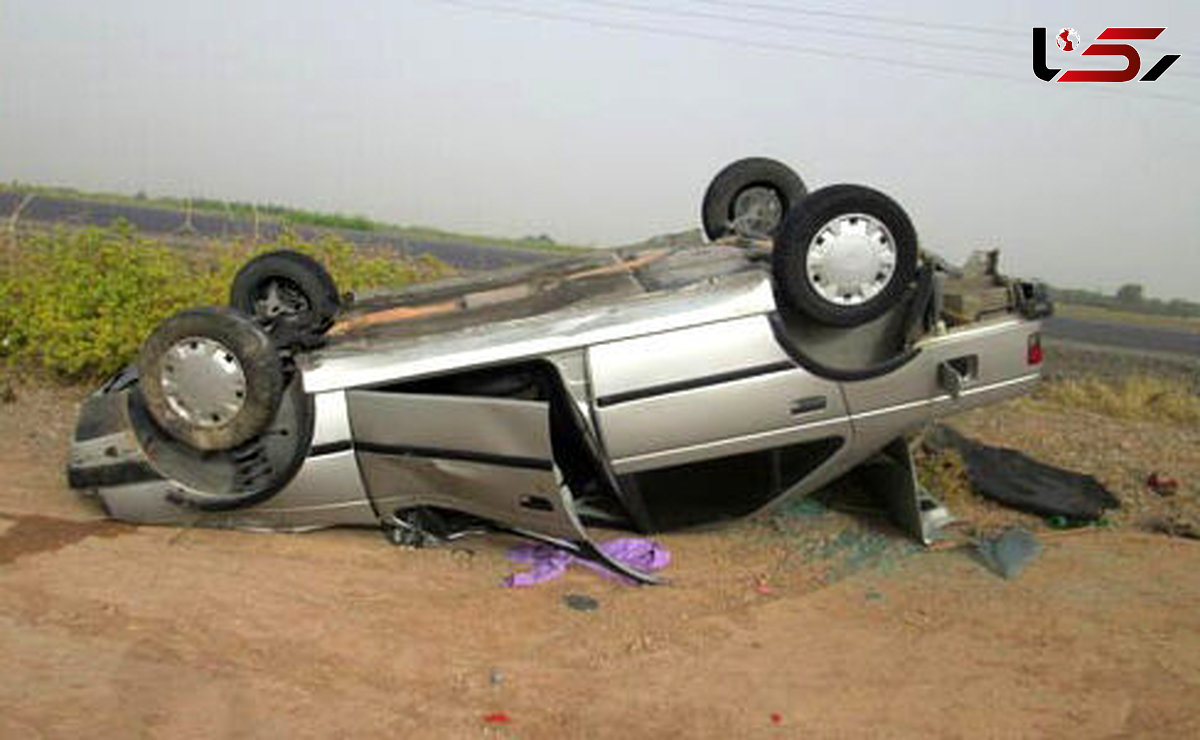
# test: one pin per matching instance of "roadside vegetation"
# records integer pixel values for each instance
(1124, 316)
(75, 304)
(1130, 299)
(1135, 396)
(285, 215)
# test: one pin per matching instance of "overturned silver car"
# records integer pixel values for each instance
(646, 388)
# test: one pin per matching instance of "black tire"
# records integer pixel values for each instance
(306, 296)
(802, 226)
(717, 212)
(255, 353)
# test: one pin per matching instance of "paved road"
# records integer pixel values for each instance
(157, 220)
(1150, 339)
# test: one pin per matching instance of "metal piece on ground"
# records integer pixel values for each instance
(892, 476)
(581, 602)
(1009, 553)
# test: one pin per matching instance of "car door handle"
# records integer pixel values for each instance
(954, 374)
(808, 405)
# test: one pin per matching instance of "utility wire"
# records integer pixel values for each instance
(887, 20)
(865, 17)
(778, 25)
(868, 18)
(858, 34)
(702, 36)
(775, 46)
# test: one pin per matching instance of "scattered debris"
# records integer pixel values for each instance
(761, 586)
(1016, 480)
(548, 562)
(581, 602)
(1163, 485)
(1067, 523)
(497, 718)
(1172, 526)
(1009, 553)
(803, 507)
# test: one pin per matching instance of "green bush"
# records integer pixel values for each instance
(78, 303)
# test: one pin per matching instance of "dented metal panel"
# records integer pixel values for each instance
(526, 497)
(500, 430)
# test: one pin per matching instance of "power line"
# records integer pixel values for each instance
(886, 20)
(701, 36)
(857, 34)
(778, 25)
(774, 46)
(866, 17)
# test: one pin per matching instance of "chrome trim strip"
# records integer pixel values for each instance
(932, 400)
(486, 458)
(331, 448)
(759, 440)
(679, 386)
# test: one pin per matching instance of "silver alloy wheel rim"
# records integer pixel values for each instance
(203, 382)
(757, 211)
(851, 259)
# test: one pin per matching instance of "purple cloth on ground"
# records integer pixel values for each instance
(548, 562)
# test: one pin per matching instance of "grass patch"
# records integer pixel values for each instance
(944, 474)
(1116, 316)
(77, 303)
(1142, 397)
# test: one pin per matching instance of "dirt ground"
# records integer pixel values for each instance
(804, 624)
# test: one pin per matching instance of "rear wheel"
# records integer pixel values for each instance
(845, 255)
(210, 378)
(750, 198)
(290, 294)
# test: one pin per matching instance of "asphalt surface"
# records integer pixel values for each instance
(157, 220)
(1125, 336)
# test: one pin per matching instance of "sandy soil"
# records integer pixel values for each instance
(784, 627)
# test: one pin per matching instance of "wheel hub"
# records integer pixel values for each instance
(757, 211)
(851, 259)
(280, 298)
(203, 382)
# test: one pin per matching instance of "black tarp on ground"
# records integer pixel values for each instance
(1016, 480)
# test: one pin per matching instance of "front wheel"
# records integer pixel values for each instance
(845, 255)
(211, 378)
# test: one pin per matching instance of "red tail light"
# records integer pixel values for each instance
(1033, 354)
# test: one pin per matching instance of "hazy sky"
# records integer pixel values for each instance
(431, 112)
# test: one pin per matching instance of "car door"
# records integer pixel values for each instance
(706, 391)
(490, 457)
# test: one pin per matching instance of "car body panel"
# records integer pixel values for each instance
(363, 362)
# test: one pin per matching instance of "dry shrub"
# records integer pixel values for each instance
(1132, 397)
(944, 474)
